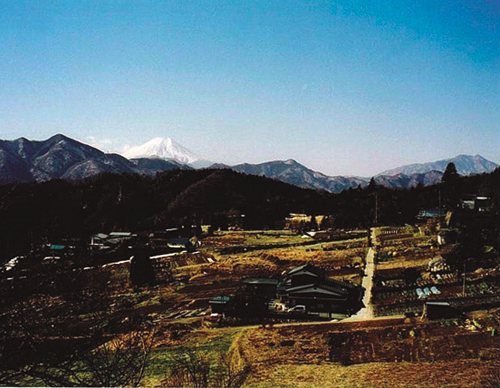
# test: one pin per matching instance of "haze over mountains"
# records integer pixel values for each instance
(23, 160)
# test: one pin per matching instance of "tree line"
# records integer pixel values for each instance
(36, 213)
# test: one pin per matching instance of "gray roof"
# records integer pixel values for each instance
(260, 281)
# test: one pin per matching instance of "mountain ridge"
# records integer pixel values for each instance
(61, 157)
(291, 171)
(465, 164)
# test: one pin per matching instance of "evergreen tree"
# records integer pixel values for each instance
(326, 223)
(451, 190)
(141, 269)
(450, 175)
(313, 225)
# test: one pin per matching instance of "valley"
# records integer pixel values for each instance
(217, 269)
(366, 350)
(233, 194)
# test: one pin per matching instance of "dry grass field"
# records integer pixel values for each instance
(443, 374)
(300, 355)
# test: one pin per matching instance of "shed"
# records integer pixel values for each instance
(439, 310)
(219, 304)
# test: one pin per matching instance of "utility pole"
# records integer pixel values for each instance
(463, 290)
(376, 209)
(439, 201)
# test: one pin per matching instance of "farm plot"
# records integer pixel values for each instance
(344, 263)
(263, 239)
(404, 278)
(337, 354)
(411, 343)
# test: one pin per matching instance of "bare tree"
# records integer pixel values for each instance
(196, 369)
(43, 338)
(229, 373)
(120, 361)
(189, 369)
(491, 379)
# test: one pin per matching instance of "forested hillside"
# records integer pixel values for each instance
(34, 213)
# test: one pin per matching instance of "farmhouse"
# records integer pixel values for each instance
(263, 286)
(473, 202)
(307, 285)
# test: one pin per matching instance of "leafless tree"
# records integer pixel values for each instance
(42, 338)
(118, 362)
(198, 370)
(189, 369)
(229, 373)
(491, 379)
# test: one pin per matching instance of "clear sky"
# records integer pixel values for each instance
(344, 87)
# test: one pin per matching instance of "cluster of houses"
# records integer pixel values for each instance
(107, 247)
(305, 288)
(173, 239)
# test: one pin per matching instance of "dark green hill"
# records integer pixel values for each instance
(32, 213)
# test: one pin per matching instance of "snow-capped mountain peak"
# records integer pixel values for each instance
(162, 148)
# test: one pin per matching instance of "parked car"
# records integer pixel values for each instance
(214, 317)
(427, 292)
(300, 309)
(420, 293)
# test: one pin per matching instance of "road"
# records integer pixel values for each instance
(367, 311)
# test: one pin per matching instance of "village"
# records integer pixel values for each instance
(335, 299)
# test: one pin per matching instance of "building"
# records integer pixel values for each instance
(476, 203)
(219, 304)
(263, 286)
(439, 310)
(430, 213)
(307, 285)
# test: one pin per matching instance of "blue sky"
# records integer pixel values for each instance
(344, 87)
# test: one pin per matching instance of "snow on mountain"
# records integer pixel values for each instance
(162, 148)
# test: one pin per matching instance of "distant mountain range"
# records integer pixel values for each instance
(465, 164)
(24, 160)
(290, 171)
(61, 157)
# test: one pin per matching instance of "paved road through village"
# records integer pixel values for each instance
(367, 311)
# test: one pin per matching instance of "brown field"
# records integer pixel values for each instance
(379, 353)
(451, 374)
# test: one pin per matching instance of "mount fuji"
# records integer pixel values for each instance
(166, 149)
(162, 148)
